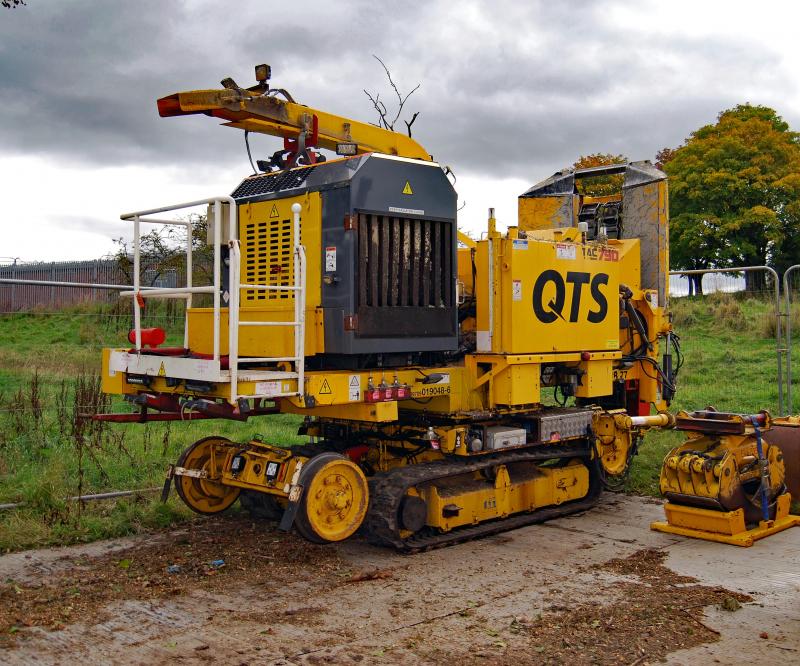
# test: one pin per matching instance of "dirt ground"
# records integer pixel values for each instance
(597, 588)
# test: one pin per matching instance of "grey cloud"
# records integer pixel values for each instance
(508, 89)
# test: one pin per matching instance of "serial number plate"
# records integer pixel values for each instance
(430, 391)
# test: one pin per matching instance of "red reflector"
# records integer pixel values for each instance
(373, 395)
(152, 337)
(585, 356)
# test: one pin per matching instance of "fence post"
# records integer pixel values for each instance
(778, 349)
(13, 286)
(788, 296)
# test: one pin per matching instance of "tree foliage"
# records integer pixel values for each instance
(11, 4)
(599, 186)
(163, 250)
(735, 193)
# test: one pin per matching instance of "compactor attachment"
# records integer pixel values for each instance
(727, 482)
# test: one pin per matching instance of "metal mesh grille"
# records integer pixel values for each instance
(268, 259)
(404, 262)
(272, 182)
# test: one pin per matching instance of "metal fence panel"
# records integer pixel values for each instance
(27, 297)
(736, 323)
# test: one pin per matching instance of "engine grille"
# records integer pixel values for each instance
(405, 276)
(404, 262)
(272, 182)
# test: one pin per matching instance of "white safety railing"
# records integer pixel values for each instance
(186, 292)
(235, 286)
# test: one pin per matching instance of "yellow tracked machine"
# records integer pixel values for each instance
(433, 371)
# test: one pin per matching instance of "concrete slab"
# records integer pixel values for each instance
(462, 602)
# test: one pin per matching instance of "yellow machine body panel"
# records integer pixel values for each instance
(265, 230)
(548, 297)
(266, 233)
(523, 488)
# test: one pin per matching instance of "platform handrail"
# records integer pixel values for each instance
(142, 217)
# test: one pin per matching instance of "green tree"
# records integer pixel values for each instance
(599, 186)
(735, 193)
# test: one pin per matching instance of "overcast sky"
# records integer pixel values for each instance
(510, 93)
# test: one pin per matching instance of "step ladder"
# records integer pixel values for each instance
(237, 373)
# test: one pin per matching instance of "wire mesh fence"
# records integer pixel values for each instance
(27, 297)
(733, 339)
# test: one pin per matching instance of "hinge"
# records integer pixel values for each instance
(350, 322)
(350, 222)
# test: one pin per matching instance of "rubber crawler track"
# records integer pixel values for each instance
(387, 490)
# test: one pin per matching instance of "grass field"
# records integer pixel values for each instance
(47, 368)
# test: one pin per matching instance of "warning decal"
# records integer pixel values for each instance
(516, 290)
(330, 259)
(407, 189)
(565, 251)
(268, 389)
(274, 211)
(325, 389)
(161, 371)
(354, 388)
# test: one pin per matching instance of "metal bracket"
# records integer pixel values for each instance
(287, 520)
(194, 473)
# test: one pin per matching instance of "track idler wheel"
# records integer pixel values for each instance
(206, 495)
(334, 501)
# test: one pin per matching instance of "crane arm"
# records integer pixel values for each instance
(244, 109)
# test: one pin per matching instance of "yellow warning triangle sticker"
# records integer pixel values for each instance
(161, 371)
(407, 189)
(274, 211)
(326, 388)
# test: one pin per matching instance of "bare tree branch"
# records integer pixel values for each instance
(381, 113)
(411, 122)
(381, 108)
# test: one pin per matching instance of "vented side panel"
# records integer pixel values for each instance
(272, 182)
(268, 259)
